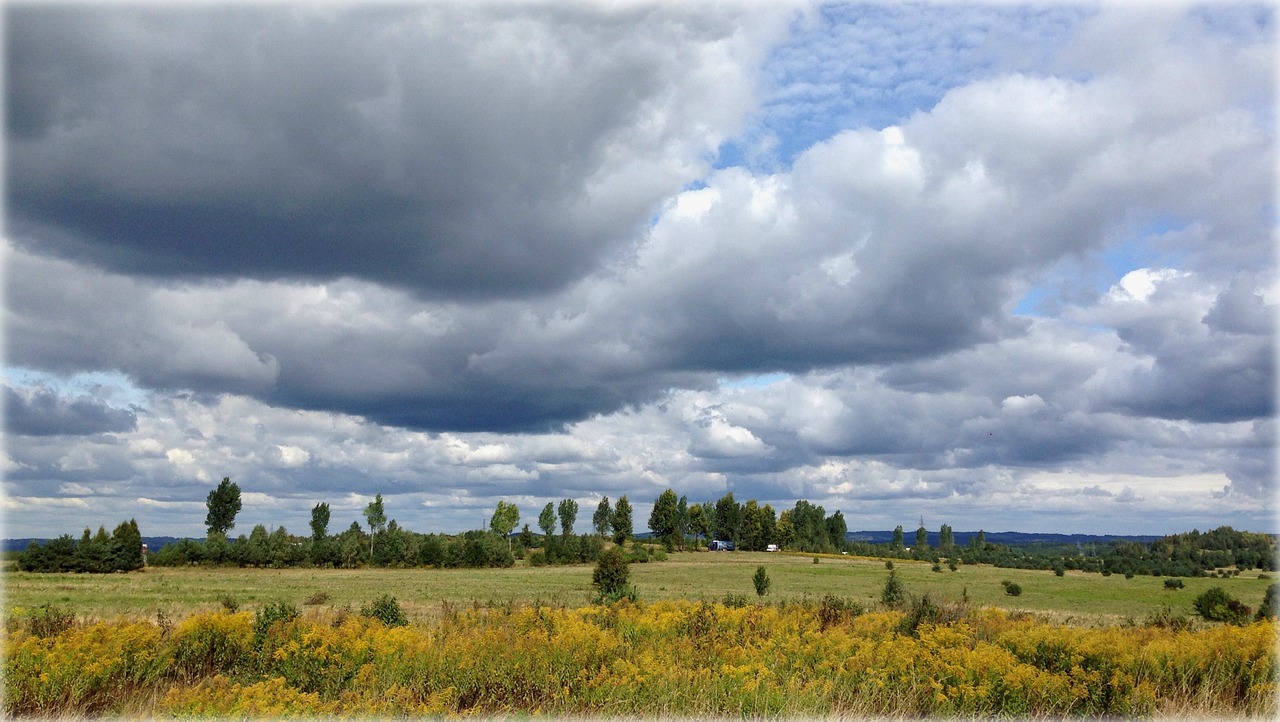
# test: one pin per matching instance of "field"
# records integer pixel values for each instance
(1076, 597)
(167, 643)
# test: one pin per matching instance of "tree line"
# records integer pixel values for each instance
(675, 523)
(121, 551)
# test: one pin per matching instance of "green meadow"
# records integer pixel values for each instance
(1079, 598)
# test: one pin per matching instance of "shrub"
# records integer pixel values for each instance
(229, 603)
(1270, 604)
(611, 575)
(317, 598)
(835, 610)
(1165, 618)
(761, 581)
(1216, 605)
(49, 620)
(894, 592)
(936, 567)
(386, 610)
(1013, 589)
(888, 564)
(953, 565)
(1173, 584)
(734, 601)
(815, 560)
(270, 614)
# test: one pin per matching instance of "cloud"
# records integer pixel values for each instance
(452, 151)
(42, 412)
(350, 272)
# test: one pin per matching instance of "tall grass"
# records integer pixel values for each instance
(665, 659)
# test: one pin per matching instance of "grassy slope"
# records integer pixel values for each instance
(1075, 597)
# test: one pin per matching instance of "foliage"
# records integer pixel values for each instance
(1013, 589)
(664, 520)
(568, 513)
(667, 659)
(894, 593)
(547, 519)
(611, 574)
(761, 581)
(320, 521)
(223, 504)
(50, 620)
(271, 614)
(386, 610)
(1174, 584)
(620, 520)
(1216, 605)
(602, 519)
(96, 554)
(504, 519)
(1270, 607)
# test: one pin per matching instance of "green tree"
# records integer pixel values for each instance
(836, 530)
(611, 574)
(894, 593)
(376, 515)
(223, 504)
(568, 512)
(602, 520)
(728, 519)
(547, 520)
(620, 521)
(504, 520)
(665, 518)
(786, 532)
(897, 538)
(319, 521)
(700, 521)
(126, 542)
(761, 581)
(946, 541)
(682, 520)
(922, 541)
(1217, 606)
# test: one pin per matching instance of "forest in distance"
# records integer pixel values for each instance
(675, 524)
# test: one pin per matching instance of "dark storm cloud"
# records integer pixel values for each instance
(41, 412)
(434, 148)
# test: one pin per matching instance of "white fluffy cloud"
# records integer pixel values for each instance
(451, 288)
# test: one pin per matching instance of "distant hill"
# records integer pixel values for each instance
(16, 545)
(1007, 538)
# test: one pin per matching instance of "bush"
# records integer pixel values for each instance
(953, 565)
(49, 620)
(229, 603)
(894, 592)
(734, 601)
(611, 575)
(386, 610)
(1270, 604)
(835, 610)
(888, 564)
(317, 598)
(1173, 584)
(269, 615)
(936, 567)
(761, 581)
(1013, 589)
(1216, 605)
(1165, 618)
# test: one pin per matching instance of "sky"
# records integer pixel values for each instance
(997, 266)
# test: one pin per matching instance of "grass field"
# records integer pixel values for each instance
(1077, 598)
